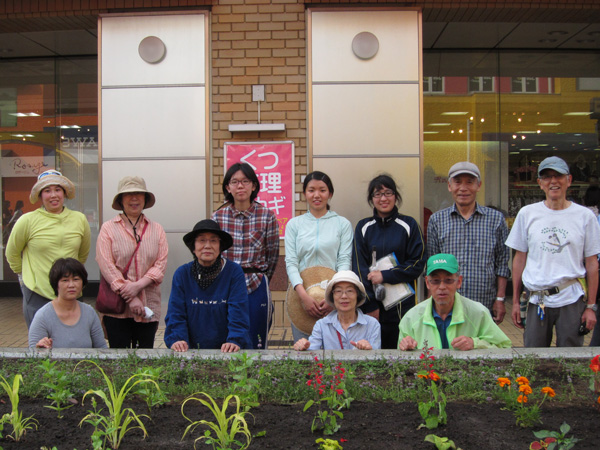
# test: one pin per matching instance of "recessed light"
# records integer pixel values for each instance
(525, 149)
(440, 124)
(430, 132)
(455, 113)
(542, 145)
(577, 113)
(549, 124)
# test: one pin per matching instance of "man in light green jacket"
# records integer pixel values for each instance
(447, 319)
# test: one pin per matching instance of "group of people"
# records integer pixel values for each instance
(222, 300)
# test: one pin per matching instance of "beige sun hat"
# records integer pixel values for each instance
(314, 280)
(349, 277)
(51, 178)
(132, 184)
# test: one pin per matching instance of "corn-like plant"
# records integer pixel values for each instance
(19, 424)
(58, 385)
(119, 420)
(225, 428)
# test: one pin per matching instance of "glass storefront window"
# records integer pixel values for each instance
(48, 119)
(506, 111)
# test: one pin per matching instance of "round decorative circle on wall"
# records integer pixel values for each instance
(365, 45)
(152, 49)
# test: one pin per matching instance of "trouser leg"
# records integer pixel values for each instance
(389, 335)
(567, 325)
(31, 303)
(119, 332)
(143, 334)
(297, 334)
(261, 314)
(538, 333)
(595, 342)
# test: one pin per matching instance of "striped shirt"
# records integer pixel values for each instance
(478, 245)
(255, 234)
(114, 248)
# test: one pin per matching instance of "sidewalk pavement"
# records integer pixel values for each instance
(13, 331)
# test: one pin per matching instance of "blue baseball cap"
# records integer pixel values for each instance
(554, 163)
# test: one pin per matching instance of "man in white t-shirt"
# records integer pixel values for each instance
(556, 243)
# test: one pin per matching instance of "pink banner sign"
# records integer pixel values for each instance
(273, 163)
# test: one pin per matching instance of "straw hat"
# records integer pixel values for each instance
(51, 178)
(132, 184)
(314, 280)
(349, 277)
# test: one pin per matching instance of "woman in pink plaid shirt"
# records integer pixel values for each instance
(255, 233)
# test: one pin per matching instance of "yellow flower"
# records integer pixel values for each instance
(525, 389)
(503, 382)
(548, 391)
(522, 381)
(522, 399)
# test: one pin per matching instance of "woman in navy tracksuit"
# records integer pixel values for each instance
(387, 231)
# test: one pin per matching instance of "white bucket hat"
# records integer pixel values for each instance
(349, 277)
(51, 178)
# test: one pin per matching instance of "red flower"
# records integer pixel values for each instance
(339, 391)
(343, 440)
(595, 364)
(309, 382)
(320, 391)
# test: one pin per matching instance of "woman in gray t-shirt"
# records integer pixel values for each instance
(66, 322)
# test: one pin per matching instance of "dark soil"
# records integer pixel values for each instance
(365, 426)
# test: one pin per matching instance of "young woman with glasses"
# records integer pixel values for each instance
(255, 232)
(384, 233)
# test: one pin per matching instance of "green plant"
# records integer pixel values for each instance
(225, 428)
(152, 395)
(19, 424)
(441, 443)
(329, 444)
(433, 411)
(554, 440)
(329, 389)
(244, 387)
(58, 384)
(517, 400)
(120, 420)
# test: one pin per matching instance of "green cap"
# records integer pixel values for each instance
(442, 261)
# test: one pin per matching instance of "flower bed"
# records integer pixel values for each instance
(384, 411)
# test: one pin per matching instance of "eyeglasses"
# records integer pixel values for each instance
(245, 182)
(213, 242)
(49, 172)
(438, 281)
(341, 292)
(380, 194)
(557, 176)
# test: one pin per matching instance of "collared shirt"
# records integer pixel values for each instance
(442, 326)
(255, 234)
(116, 243)
(478, 245)
(325, 332)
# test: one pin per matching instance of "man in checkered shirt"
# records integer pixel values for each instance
(475, 235)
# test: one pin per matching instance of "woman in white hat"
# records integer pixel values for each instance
(117, 242)
(346, 327)
(42, 236)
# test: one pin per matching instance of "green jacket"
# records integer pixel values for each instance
(469, 319)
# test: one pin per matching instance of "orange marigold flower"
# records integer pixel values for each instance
(525, 389)
(522, 399)
(503, 382)
(434, 376)
(420, 375)
(522, 380)
(548, 391)
(598, 399)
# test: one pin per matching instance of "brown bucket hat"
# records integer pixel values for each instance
(132, 184)
(51, 178)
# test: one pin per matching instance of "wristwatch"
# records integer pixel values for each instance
(500, 299)
(593, 307)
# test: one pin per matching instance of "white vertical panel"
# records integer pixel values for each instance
(351, 178)
(366, 118)
(183, 36)
(153, 122)
(396, 31)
